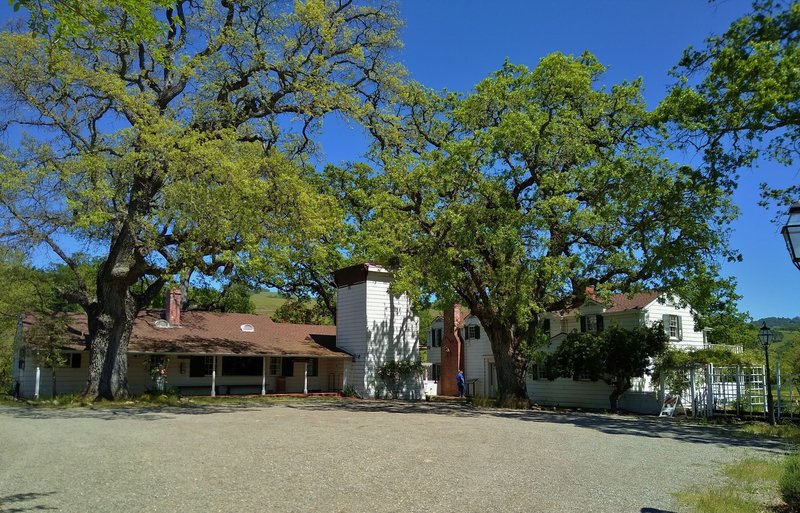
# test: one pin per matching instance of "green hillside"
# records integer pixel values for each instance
(267, 302)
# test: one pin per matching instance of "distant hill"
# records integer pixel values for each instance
(267, 302)
(782, 323)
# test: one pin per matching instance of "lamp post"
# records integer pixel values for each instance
(765, 337)
(791, 232)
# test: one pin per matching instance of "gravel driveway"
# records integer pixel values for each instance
(354, 456)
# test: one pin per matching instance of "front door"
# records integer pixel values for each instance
(491, 379)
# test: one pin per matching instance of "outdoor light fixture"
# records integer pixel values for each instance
(765, 336)
(791, 232)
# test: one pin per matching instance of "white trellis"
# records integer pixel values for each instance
(787, 401)
(726, 390)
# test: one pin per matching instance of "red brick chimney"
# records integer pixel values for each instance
(172, 312)
(452, 351)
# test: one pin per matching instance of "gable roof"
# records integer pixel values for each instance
(622, 302)
(216, 333)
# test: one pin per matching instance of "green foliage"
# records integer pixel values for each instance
(736, 100)
(510, 199)
(394, 375)
(178, 138)
(615, 355)
(350, 391)
(303, 312)
(790, 482)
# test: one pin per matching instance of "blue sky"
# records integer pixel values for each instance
(454, 44)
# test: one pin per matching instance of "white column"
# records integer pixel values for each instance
(36, 388)
(305, 378)
(693, 392)
(264, 376)
(214, 376)
(709, 390)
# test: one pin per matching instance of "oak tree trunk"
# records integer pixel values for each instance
(510, 363)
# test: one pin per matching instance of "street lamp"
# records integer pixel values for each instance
(791, 232)
(765, 336)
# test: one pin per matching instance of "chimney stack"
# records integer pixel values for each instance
(452, 350)
(172, 311)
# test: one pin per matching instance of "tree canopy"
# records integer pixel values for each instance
(180, 151)
(738, 99)
(515, 197)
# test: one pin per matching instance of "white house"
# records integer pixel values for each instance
(213, 353)
(642, 309)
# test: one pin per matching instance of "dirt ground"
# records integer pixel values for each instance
(354, 456)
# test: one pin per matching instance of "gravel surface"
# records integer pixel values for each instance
(358, 456)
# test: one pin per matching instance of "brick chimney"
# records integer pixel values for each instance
(172, 312)
(452, 351)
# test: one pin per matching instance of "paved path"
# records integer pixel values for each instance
(353, 456)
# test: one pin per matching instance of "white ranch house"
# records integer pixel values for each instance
(212, 353)
(641, 309)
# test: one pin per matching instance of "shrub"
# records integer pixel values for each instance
(790, 482)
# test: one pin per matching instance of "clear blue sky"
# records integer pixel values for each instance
(453, 44)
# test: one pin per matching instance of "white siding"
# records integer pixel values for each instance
(569, 393)
(477, 359)
(68, 380)
(691, 338)
(392, 329)
(351, 330)
(376, 327)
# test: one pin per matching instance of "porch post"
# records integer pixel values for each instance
(214, 376)
(305, 378)
(264, 375)
(36, 388)
(710, 390)
(693, 391)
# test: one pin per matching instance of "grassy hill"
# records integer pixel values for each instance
(267, 302)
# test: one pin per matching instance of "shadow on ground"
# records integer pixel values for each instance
(651, 427)
(627, 425)
(20, 502)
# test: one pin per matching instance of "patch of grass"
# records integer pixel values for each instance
(790, 432)
(510, 403)
(753, 470)
(154, 400)
(751, 487)
(726, 499)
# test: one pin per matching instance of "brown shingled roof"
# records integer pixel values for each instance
(219, 333)
(624, 302)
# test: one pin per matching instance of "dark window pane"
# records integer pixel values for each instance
(242, 365)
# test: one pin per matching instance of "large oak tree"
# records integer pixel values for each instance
(169, 150)
(514, 198)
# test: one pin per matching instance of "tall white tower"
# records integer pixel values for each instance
(373, 325)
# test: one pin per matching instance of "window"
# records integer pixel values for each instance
(21, 360)
(672, 325)
(200, 366)
(242, 365)
(591, 323)
(436, 372)
(313, 367)
(274, 366)
(287, 367)
(473, 332)
(546, 326)
(72, 360)
(436, 337)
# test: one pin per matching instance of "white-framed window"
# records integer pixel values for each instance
(436, 372)
(537, 373)
(473, 332)
(274, 366)
(591, 323)
(672, 325)
(436, 337)
(313, 367)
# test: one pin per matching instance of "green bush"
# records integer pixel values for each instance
(790, 482)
